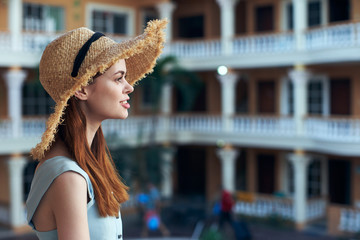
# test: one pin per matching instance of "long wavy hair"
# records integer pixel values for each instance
(95, 160)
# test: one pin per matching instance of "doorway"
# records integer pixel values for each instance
(266, 173)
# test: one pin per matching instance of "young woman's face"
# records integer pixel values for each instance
(109, 94)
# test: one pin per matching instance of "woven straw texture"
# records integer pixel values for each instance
(56, 64)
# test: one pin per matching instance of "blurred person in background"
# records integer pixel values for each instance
(152, 210)
(76, 191)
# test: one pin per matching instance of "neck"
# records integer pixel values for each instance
(91, 129)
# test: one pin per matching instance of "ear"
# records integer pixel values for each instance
(82, 94)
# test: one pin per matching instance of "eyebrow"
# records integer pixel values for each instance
(121, 71)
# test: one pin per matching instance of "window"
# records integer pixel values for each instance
(314, 13)
(110, 19)
(109, 22)
(241, 172)
(148, 15)
(191, 27)
(314, 179)
(315, 98)
(339, 10)
(290, 16)
(264, 18)
(42, 18)
(35, 100)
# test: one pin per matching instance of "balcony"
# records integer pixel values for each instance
(322, 45)
(319, 134)
(263, 206)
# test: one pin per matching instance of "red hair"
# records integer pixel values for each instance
(95, 160)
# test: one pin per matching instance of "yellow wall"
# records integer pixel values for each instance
(3, 16)
(3, 95)
(354, 8)
(4, 181)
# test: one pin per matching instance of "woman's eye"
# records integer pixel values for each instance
(119, 79)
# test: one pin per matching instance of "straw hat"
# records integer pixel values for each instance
(71, 60)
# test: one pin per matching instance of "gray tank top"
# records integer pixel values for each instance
(101, 228)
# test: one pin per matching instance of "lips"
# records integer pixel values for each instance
(125, 104)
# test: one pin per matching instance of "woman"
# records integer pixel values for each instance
(76, 192)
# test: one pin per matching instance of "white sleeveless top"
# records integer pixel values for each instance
(101, 228)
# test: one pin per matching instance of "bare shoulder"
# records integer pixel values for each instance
(68, 200)
(68, 185)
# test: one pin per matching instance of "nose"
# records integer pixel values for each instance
(128, 88)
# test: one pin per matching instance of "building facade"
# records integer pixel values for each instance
(278, 124)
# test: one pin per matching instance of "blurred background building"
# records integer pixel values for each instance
(275, 119)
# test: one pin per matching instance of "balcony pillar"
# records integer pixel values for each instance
(300, 22)
(14, 79)
(166, 10)
(300, 163)
(227, 16)
(228, 157)
(15, 15)
(228, 91)
(166, 104)
(16, 164)
(167, 172)
(300, 77)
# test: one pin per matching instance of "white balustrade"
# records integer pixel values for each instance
(344, 35)
(349, 220)
(5, 41)
(279, 126)
(345, 130)
(196, 123)
(283, 207)
(270, 43)
(316, 208)
(265, 207)
(199, 48)
(36, 42)
(32, 127)
(340, 130)
(6, 128)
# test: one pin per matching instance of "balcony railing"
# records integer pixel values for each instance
(339, 36)
(270, 43)
(266, 205)
(344, 35)
(327, 129)
(346, 130)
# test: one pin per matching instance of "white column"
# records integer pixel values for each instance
(165, 10)
(228, 91)
(166, 100)
(16, 166)
(300, 163)
(227, 15)
(14, 79)
(228, 167)
(300, 77)
(166, 104)
(15, 15)
(167, 171)
(300, 22)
